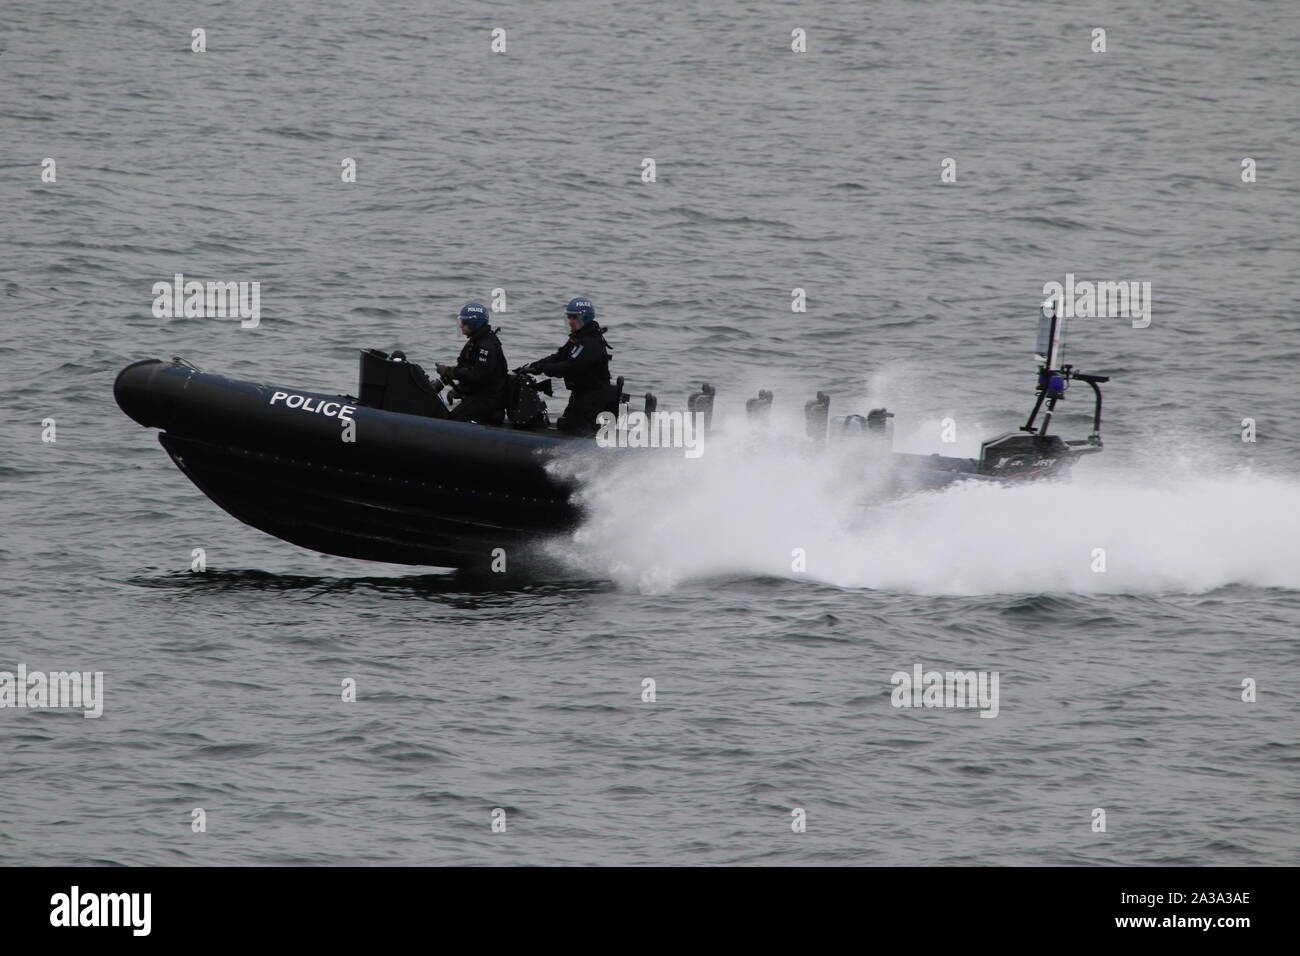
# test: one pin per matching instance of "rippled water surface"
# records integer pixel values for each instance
(1120, 690)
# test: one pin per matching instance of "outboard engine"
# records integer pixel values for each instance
(702, 402)
(817, 416)
(851, 425)
(393, 384)
(874, 426)
(759, 409)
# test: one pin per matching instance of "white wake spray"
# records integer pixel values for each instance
(752, 505)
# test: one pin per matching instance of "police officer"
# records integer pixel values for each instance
(480, 375)
(583, 363)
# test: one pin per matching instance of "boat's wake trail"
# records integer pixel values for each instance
(759, 509)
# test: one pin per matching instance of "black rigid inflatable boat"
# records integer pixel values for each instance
(387, 477)
(407, 488)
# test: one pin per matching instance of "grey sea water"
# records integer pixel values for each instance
(1121, 689)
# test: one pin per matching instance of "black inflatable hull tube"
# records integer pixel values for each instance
(408, 490)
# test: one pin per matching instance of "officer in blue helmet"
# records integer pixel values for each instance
(480, 376)
(583, 363)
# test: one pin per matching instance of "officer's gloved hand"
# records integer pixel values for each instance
(446, 373)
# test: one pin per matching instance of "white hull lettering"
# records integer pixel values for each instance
(304, 403)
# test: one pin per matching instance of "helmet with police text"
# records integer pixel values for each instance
(581, 309)
(475, 316)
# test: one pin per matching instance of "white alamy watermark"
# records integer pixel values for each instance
(73, 690)
(1099, 300)
(652, 430)
(76, 908)
(922, 688)
(192, 299)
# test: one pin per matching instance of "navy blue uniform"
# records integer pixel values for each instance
(482, 379)
(583, 363)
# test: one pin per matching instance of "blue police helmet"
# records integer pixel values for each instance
(581, 308)
(475, 316)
